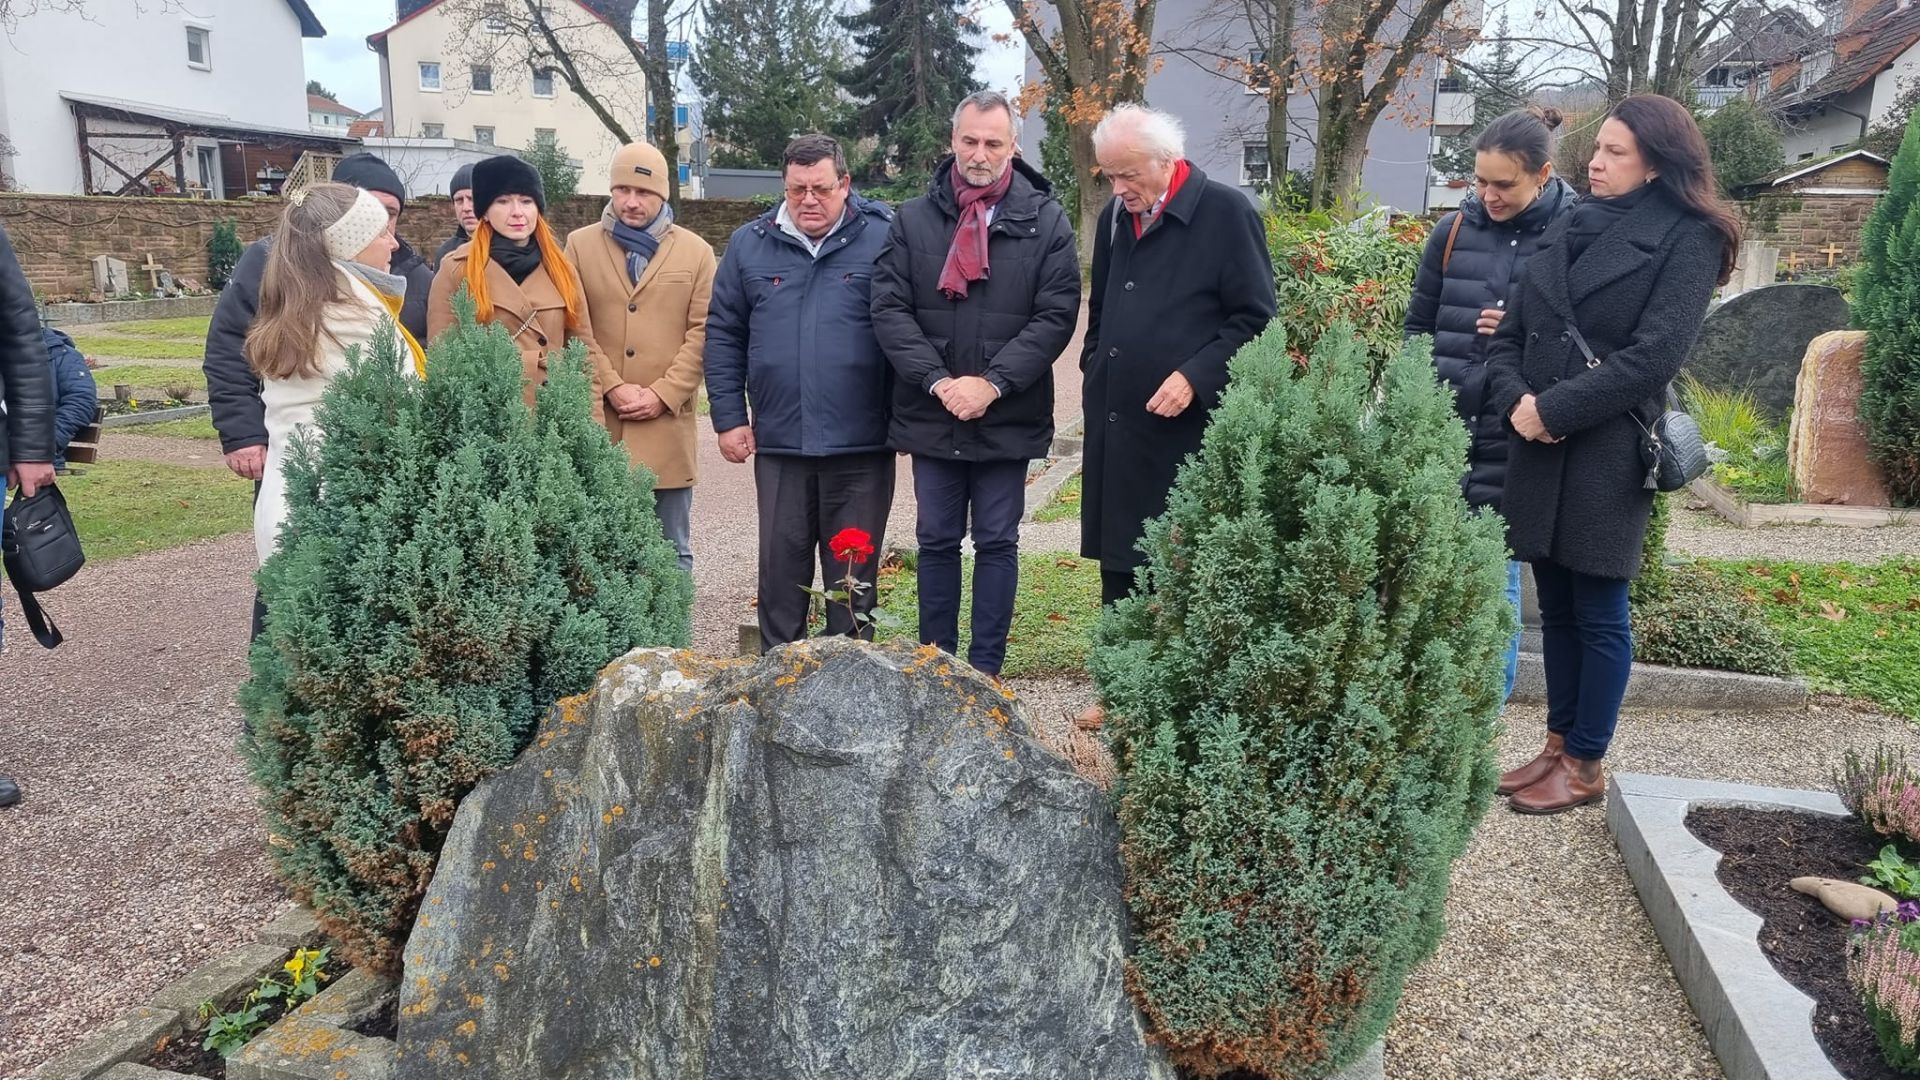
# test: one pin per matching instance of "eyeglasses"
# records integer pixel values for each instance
(820, 192)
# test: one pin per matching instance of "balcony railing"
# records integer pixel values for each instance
(1710, 98)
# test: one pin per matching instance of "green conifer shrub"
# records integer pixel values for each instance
(223, 253)
(452, 564)
(1302, 699)
(1886, 304)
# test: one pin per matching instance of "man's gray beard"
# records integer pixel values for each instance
(971, 182)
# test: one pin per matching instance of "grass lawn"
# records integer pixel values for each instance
(193, 326)
(139, 348)
(1065, 504)
(200, 427)
(1053, 618)
(156, 376)
(127, 507)
(1853, 629)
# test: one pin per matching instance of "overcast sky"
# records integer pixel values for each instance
(344, 64)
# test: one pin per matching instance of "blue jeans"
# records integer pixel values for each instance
(674, 508)
(995, 492)
(1513, 647)
(1587, 648)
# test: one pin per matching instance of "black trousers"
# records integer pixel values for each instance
(259, 602)
(803, 502)
(1114, 586)
(950, 494)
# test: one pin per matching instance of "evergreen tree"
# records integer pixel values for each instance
(1886, 304)
(315, 88)
(1743, 143)
(915, 66)
(452, 563)
(558, 174)
(1056, 156)
(1302, 698)
(766, 71)
(1498, 88)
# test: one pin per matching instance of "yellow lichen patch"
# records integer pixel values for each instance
(540, 820)
(606, 819)
(462, 1058)
(500, 972)
(467, 1029)
(306, 1040)
(539, 886)
(1009, 755)
(548, 773)
(475, 1001)
(554, 904)
(505, 887)
(785, 680)
(619, 811)
(575, 882)
(653, 961)
(527, 852)
(488, 865)
(519, 828)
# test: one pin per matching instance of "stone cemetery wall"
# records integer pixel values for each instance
(1805, 227)
(56, 236)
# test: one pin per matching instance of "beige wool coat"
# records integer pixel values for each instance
(532, 311)
(653, 334)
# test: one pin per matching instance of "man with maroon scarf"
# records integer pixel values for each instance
(974, 297)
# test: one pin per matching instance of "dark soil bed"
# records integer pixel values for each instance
(182, 1054)
(1762, 850)
(384, 1024)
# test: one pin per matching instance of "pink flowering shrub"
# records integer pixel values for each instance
(1883, 793)
(1883, 964)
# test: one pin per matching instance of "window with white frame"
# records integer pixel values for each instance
(1253, 164)
(429, 76)
(543, 82)
(483, 136)
(433, 131)
(199, 48)
(481, 81)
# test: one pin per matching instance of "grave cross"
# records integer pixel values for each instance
(1832, 251)
(1793, 261)
(153, 271)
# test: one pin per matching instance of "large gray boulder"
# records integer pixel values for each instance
(840, 862)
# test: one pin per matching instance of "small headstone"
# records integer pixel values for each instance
(1827, 448)
(167, 286)
(1755, 341)
(110, 276)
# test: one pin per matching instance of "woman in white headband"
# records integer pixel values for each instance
(326, 289)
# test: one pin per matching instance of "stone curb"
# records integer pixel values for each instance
(297, 1049)
(1759, 1026)
(115, 311)
(1652, 686)
(1044, 487)
(157, 416)
(132, 1034)
(221, 980)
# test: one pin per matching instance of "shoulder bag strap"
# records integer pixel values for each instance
(1452, 235)
(42, 625)
(1580, 342)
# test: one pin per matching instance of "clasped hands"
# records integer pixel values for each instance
(966, 396)
(636, 402)
(1526, 420)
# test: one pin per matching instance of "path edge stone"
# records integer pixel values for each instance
(1653, 686)
(1759, 1026)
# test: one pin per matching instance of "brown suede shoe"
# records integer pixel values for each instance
(1533, 771)
(1572, 782)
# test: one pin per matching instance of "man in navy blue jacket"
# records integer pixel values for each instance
(76, 397)
(790, 330)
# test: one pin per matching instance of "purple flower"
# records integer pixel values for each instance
(1908, 911)
(1861, 924)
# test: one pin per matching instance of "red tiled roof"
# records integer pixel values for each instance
(317, 103)
(1865, 49)
(360, 129)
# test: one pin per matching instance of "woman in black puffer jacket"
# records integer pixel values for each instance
(1473, 261)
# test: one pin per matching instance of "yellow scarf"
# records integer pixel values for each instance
(392, 304)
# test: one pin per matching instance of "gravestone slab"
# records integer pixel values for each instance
(834, 861)
(1827, 448)
(1755, 341)
(110, 276)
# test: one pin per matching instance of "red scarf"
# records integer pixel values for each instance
(1180, 171)
(967, 256)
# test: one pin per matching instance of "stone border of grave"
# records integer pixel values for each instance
(1654, 686)
(310, 1043)
(1759, 1025)
(1064, 459)
(1748, 515)
(156, 416)
(113, 311)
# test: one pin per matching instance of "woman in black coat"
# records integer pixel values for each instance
(1628, 273)
(1472, 262)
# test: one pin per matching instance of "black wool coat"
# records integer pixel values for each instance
(1009, 329)
(1638, 294)
(1184, 296)
(1488, 259)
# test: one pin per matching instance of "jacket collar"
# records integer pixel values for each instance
(1187, 199)
(1622, 250)
(617, 255)
(1021, 202)
(861, 211)
(1555, 198)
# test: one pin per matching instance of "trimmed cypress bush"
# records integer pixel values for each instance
(452, 563)
(1303, 698)
(223, 252)
(1886, 305)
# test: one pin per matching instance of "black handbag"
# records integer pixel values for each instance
(1671, 447)
(41, 550)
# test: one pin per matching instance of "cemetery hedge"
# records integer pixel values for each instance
(1310, 677)
(1685, 616)
(1887, 306)
(452, 563)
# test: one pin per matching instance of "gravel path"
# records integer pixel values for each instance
(1707, 535)
(119, 444)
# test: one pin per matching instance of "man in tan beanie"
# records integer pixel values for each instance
(647, 283)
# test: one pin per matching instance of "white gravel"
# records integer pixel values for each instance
(1705, 534)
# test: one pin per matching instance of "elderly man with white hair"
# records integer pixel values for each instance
(1181, 280)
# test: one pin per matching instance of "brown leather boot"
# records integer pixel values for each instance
(1533, 771)
(1572, 782)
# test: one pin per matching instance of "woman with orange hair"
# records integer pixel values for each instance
(519, 276)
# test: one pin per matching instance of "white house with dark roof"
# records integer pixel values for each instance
(1832, 91)
(157, 99)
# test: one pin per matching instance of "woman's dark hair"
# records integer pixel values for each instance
(1671, 144)
(1524, 133)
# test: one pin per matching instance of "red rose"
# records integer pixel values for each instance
(851, 544)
